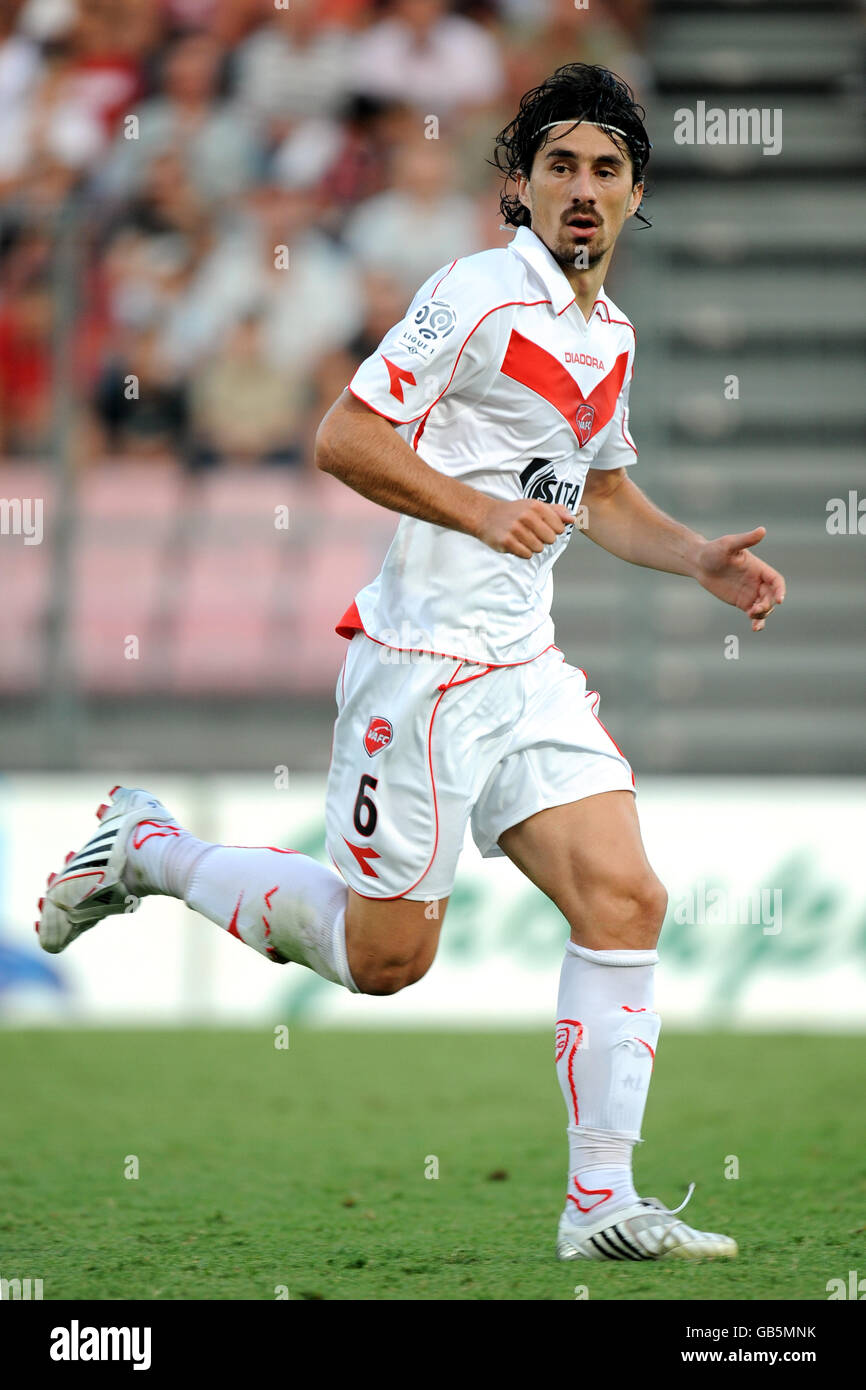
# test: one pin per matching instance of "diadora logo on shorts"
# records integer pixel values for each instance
(378, 736)
(540, 481)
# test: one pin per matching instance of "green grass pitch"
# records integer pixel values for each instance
(304, 1168)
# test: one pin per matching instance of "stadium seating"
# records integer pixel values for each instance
(180, 589)
(191, 586)
(751, 272)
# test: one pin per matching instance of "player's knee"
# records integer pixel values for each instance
(391, 974)
(643, 906)
(627, 915)
(655, 906)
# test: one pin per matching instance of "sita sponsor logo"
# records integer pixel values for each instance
(540, 482)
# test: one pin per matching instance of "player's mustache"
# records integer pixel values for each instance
(578, 215)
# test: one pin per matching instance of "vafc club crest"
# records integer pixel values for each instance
(379, 734)
(584, 420)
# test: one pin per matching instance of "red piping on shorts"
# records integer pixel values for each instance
(343, 693)
(607, 731)
(610, 736)
(452, 683)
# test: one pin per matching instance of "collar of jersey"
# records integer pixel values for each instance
(533, 250)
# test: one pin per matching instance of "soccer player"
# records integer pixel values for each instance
(495, 418)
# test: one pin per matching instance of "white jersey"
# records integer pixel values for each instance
(494, 377)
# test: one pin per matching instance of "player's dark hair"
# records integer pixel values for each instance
(575, 92)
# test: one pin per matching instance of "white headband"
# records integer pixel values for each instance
(581, 121)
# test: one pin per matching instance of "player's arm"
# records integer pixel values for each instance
(365, 452)
(621, 519)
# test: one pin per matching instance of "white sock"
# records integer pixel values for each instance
(159, 858)
(606, 1037)
(277, 901)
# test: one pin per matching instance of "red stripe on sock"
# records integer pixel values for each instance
(268, 896)
(570, 1064)
(603, 1192)
(161, 832)
(233, 924)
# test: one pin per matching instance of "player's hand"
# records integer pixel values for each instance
(727, 568)
(523, 527)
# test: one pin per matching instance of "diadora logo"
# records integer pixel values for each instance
(583, 359)
(539, 480)
(379, 734)
(396, 376)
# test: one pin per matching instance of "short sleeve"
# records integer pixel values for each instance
(440, 345)
(618, 449)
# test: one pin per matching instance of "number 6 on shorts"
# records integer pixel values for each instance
(365, 824)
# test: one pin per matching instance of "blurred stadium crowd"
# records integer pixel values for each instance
(196, 138)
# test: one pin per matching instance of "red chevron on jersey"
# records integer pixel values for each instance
(538, 369)
(397, 376)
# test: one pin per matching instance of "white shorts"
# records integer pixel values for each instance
(423, 743)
